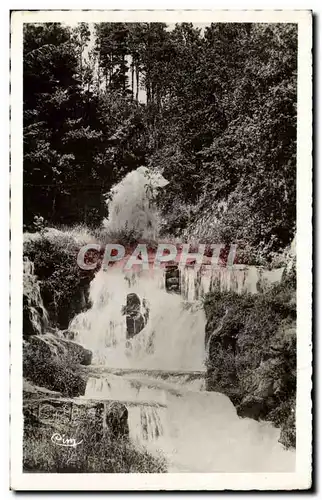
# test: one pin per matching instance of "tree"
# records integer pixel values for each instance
(219, 121)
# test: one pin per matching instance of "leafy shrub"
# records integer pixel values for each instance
(239, 221)
(252, 353)
(64, 286)
(97, 453)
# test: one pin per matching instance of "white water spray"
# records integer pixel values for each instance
(173, 338)
(131, 206)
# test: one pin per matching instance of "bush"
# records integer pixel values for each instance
(56, 371)
(237, 222)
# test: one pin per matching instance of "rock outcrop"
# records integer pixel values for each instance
(43, 408)
(137, 314)
(50, 259)
(116, 417)
(172, 279)
(52, 362)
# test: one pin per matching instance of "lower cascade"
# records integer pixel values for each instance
(158, 373)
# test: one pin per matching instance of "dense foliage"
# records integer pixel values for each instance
(254, 338)
(213, 109)
(48, 363)
(64, 286)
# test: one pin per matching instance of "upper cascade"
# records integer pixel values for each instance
(131, 204)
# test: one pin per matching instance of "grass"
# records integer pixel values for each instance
(97, 452)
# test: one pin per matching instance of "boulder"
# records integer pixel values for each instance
(253, 407)
(68, 334)
(52, 362)
(54, 345)
(117, 419)
(172, 279)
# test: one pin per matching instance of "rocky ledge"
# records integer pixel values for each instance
(54, 363)
(47, 411)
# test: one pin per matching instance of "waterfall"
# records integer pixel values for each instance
(35, 316)
(172, 339)
(147, 424)
(236, 278)
(147, 421)
(148, 352)
(118, 388)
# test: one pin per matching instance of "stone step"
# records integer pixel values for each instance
(88, 402)
(100, 370)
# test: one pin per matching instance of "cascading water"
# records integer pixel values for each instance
(35, 314)
(131, 207)
(158, 371)
(173, 338)
(237, 278)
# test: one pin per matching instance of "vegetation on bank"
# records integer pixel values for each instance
(63, 284)
(54, 363)
(251, 342)
(214, 110)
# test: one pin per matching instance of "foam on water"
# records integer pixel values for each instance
(197, 431)
(173, 338)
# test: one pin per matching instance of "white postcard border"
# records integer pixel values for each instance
(178, 481)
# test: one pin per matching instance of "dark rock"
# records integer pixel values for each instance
(133, 303)
(79, 302)
(32, 391)
(252, 407)
(109, 419)
(77, 352)
(172, 279)
(51, 362)
(53, 345)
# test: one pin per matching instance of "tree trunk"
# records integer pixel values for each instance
(124, 74)
(148, 89)
(132, 77)
(137, 83)
(53, 208)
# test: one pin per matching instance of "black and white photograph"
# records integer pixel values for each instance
(160, 323)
